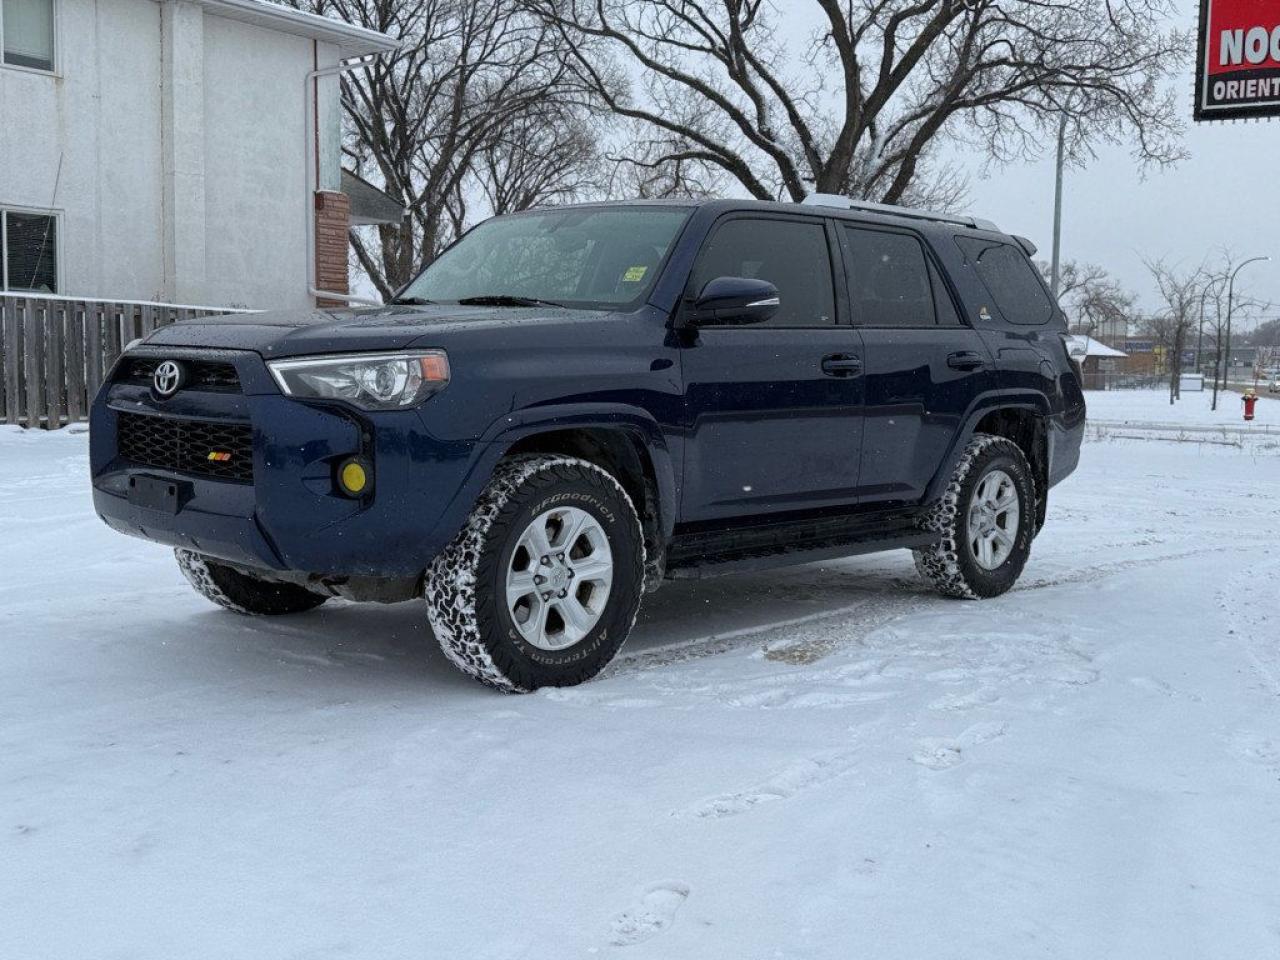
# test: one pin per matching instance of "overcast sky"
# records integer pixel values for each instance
(1226, 195)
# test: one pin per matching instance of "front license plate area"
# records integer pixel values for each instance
(156, 493)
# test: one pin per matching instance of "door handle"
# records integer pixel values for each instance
(841, 365)
(965, 360)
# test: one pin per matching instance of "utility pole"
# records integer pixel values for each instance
(1226, 361)
(1057, 206)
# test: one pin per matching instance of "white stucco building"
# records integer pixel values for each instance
(170, 150)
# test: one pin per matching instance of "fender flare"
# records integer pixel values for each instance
(512, 427)
(982, 405)
(639, 423)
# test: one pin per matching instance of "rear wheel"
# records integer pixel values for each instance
(243, 592)
(986, 518)
(543, 584)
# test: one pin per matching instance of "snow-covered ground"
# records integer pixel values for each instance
(827, 762)
(1193, 409)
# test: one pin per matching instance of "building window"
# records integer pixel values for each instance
(29, 249)
(26, 27)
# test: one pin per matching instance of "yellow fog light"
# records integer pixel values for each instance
(353, 477)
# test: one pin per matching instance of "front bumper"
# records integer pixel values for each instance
(291, 516)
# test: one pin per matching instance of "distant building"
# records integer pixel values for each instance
(175, 151)
(1100, 364)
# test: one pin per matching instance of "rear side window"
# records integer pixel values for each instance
(1010, 279)
(793, 256)
(890, 280)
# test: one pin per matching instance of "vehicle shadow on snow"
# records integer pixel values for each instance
(391, 646)
(388, 648)
(685, 611)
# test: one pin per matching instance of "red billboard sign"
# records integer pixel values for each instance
(1238, 59)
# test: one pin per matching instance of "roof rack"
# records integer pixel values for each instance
(894, 210)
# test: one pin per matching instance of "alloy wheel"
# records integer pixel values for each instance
(994, 512)
(559, 577)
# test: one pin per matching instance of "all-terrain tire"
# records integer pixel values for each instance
(465, 585)
(950, 565)
(241, 592)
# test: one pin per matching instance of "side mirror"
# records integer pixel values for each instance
(731, 301)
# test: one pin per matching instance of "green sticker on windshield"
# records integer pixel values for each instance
(634, 273)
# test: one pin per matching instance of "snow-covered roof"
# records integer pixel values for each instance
(351, 40)
(1093, 348)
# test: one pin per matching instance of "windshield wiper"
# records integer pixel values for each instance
(506, 300)
(411, 301)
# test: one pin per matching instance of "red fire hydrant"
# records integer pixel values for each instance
(1250, 401)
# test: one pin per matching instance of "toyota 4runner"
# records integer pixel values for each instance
(570, 405)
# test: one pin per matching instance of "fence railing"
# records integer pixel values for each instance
(1112, 380)
(55, 351)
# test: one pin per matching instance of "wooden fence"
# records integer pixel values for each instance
(55, 351)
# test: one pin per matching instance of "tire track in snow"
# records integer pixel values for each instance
(881, 607)
(1102, 571)
(1255, 631)
(831, 630)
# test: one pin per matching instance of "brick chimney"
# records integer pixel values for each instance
(333, 220)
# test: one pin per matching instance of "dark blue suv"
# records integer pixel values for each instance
(570, 405)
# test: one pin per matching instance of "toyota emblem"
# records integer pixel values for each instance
(168, 378)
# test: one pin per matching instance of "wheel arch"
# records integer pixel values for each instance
(630, 446)
(1022, 418)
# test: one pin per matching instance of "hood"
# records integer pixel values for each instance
(290, 333)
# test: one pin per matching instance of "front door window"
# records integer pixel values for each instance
(789, 254)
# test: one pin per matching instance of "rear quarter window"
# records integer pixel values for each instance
(1009, 277)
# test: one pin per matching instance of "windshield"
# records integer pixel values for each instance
(599, 258)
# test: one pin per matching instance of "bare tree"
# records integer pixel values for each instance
(1179, 311)
(1096, 304)
(545, 155)
(644, 168)
(1244, 306)
(477, 108)
(865, 110)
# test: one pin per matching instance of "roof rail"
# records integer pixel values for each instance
(894, 210)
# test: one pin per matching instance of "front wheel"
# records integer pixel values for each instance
(986, 518)
(543, 583)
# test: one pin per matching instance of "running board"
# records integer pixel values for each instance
(686, 564)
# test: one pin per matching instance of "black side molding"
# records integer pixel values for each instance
(713, 553)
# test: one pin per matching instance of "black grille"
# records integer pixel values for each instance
(187, 445)
(201, 374)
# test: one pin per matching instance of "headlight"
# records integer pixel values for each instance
(371, 381)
